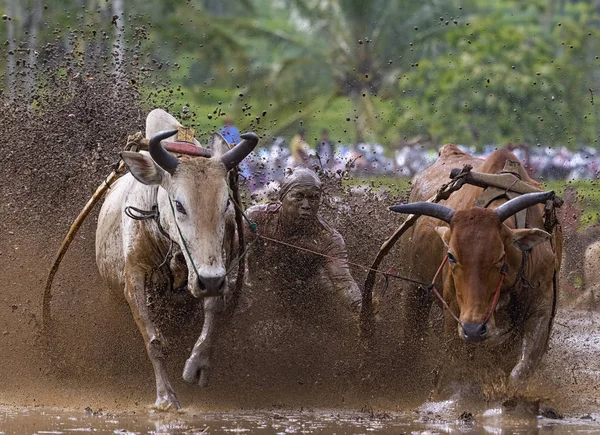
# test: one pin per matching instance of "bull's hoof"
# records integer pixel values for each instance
(167, 404)
(196, 371)
(521, 405)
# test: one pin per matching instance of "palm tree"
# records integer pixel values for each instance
(324, 50)
(303, 56)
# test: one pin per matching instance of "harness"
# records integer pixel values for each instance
(503, 272)
(487, 197)
(154, 214)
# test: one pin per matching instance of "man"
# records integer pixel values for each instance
(303, 259)
(325, 147)
(230, 132)
(299, 148)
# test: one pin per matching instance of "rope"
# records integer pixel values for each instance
(235, 262)
(503, 272)
(367, 268)
(252, 225)
(254, 228)
(138, 214)
(185, 246)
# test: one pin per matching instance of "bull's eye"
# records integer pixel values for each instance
(179, 207)
(451, 258)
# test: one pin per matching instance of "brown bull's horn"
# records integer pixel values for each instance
(519, 203)
(161, 156)
(425, 208)
(239, 152)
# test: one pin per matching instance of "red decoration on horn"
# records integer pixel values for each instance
(187, 148)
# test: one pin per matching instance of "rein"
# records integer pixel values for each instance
(432, 287)
(142, 215)
(154, 214)
(185, 246)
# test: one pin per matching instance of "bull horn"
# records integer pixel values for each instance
(522, 202)
(161, 156)
(239, 152)
(425, 208)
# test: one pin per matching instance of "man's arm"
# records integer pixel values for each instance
(338, 272)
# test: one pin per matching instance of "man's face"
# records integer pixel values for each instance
(302, 202)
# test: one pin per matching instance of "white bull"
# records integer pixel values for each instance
(591, 277)
(191, 197)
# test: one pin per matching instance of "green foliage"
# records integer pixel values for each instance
(506, 76)
(472, 71)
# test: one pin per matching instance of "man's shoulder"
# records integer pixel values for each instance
(261, 210)
(270, 207)
(329, 233)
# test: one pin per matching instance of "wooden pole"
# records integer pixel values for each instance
(100, 192)
(444, 192)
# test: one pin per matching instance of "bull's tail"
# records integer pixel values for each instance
(96, 197)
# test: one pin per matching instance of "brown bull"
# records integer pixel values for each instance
(499, 281)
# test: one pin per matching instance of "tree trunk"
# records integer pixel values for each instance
(12, 47)
(33, 28)
(119, 44)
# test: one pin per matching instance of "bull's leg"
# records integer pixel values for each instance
(535, 339)
(136, 296)
(198, 365)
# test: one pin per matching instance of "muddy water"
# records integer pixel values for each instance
(53, 421)
(567, 383)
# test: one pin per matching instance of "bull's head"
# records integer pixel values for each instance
(478, 244)
(193, 202)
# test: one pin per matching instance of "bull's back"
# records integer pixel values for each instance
(426, 184)
(422, 248)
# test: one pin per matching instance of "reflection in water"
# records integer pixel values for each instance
(53, 421)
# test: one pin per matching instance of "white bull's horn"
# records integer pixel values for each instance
(425, 208)
(519, 203)
(161, 156)
(239, 152)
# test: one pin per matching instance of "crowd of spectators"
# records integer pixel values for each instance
(271, 161)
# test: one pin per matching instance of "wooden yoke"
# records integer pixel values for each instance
(506, 180)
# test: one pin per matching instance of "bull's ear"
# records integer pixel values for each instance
(444, 233)
(143, 168)
(219, 145)
(527, 238)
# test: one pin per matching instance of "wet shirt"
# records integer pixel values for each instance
(294, 270)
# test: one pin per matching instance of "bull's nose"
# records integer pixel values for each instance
(211, 284)
(474, 332)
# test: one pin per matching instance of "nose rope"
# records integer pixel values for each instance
(432, 287)
(140, 215)
(184, 243)
(503, 272)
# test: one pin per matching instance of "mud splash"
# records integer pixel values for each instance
(56, 150)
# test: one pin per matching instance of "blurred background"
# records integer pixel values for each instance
(370, 86)
(390, 80)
